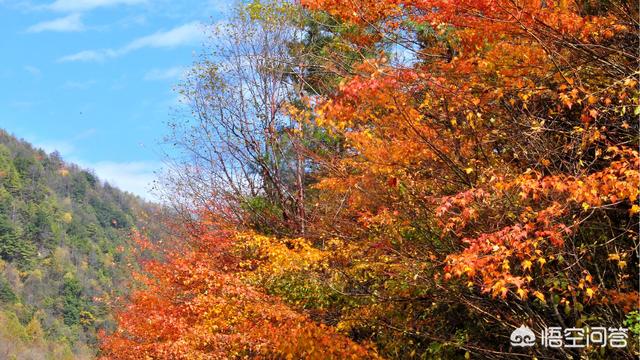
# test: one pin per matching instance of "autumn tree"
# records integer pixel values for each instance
(421, 176)
(495, 169)
(194, 305)
(239, 145)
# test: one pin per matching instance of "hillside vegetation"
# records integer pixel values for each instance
(64, 253)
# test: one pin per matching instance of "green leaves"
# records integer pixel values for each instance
(56, 219)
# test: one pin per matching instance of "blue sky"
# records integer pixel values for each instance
(94, 79)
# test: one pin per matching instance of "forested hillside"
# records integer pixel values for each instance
(64, 253)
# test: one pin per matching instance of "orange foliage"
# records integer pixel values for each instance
(446, 130)
(501, 159)
(192, 306)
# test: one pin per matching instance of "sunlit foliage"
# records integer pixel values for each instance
(473, 168)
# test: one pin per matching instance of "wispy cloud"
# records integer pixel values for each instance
(87, 55)
(65, 148)
(181, 35)
(136, 177)
(185, 34)
(67, 23)
(171, 73)
(87, 5)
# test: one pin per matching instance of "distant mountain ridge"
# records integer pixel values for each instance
(64, 252)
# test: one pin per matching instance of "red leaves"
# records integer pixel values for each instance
(491, 149)
(489, 255)
(193, 305)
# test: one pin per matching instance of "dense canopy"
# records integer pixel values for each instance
(399, 179)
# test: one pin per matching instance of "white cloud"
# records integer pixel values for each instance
(67, 23)
(87, 5)
(171, 73)
(182, 35)
(136, 177)
(87, 55)
(65, 148)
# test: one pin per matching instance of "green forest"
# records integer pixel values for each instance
(64, 250)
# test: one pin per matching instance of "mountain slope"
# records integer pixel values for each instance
(64, 240)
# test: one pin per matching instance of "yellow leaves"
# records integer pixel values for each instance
(619, 258)
(344, 326)
(503, 291)
(634, 209)
(590, 292)
(470, 115)
(506, 266)
(526, 265)
(539, 296)
(468, 170)
(522, 293)
(542, 261)
(630, 83)
(67, 217)
(300, 115)
(468, 270)
(426, 102)
(276, 257)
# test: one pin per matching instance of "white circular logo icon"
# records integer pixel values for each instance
(523, 336)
